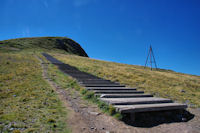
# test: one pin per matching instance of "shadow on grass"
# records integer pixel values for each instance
(152, 119)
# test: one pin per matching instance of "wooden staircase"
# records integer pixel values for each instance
(124, 99)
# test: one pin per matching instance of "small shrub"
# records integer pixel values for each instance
(31, 130)
(16, 131)
(51, 121)
(54, 125)
(103, 106)
(77, 88)
(95, 99)
(111, 110)
(118, 116)
(89, 95)
(83, 91)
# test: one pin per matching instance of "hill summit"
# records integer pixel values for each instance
(64, 44)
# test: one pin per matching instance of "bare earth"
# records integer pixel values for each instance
(84, 117)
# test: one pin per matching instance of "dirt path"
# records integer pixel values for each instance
(87, 118)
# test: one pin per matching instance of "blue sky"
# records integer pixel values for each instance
(113, 30)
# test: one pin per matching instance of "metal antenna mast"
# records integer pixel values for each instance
(151, 58)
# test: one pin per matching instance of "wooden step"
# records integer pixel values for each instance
(149, 107)
(74, 72)
(88, 78)
(83, 74)
(92, 79)
(51, 59)
(97, 82)
(134, 101)
(118, 92)
(84, 77)
(110, 88)
(103, 85)
(123, 95)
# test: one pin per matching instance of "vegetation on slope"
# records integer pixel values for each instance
(164, 83)
(54, 44)
(28, 103)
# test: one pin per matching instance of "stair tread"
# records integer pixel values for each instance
(117, 89)
(119, 92)
(105, 82)
(109, 88)
(100, 83)
(149, 107)
(138, 100)
(124, 95)
(103, 85)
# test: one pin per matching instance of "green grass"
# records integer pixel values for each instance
(28, 103)
(163, 83)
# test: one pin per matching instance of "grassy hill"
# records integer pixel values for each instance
(53, 44)
(28, 102)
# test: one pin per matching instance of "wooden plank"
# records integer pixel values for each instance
(115, 84)
(149, 107)
(124, 95)
(112, 89)
(103, 85)
(118, 92)
(97, 82)
(134, 101)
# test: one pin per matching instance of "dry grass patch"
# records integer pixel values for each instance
(28, 103)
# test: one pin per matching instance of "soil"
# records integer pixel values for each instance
(84, 117)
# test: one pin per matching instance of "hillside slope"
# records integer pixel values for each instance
(29, 104)
(163, 83)
(56, 44)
